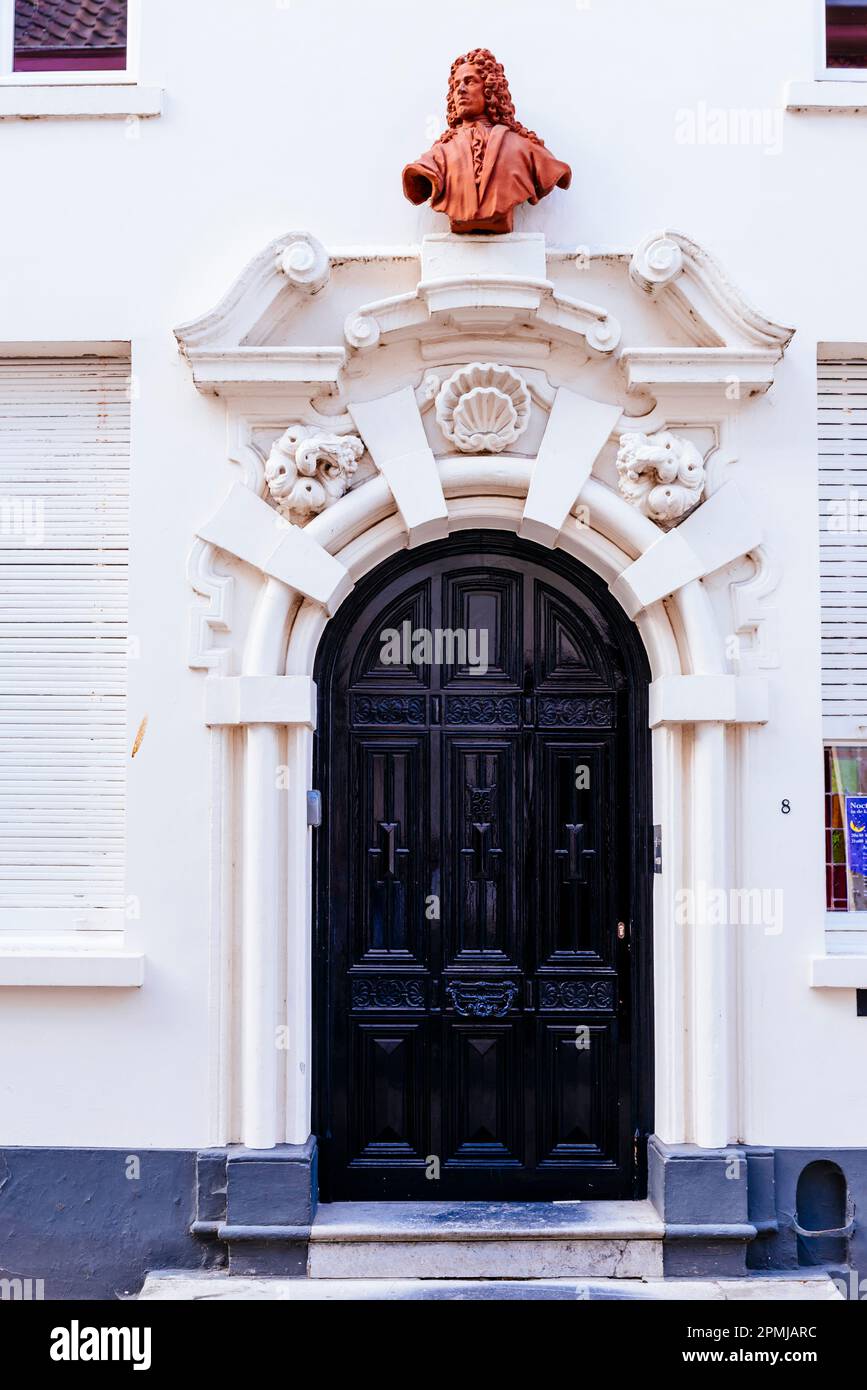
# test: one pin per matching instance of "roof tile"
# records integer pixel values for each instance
(73, 24)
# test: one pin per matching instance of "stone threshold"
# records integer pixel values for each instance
(486, 1221)
(485, 1240)
(163, 1287)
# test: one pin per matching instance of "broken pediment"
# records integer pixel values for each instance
(305, 322)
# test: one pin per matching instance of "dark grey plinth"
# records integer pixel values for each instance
(259, 1204)
(717, 1224)
(81, 1221)
(783, 1248)
(702, 1195)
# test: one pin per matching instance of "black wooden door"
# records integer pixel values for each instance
(482, 882)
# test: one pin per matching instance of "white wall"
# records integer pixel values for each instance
(302, 115)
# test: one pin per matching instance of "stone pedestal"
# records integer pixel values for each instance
(261, 1203)
(446, 256)
(703, 1197)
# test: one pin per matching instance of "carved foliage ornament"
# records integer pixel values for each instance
(475, 709)
(482, 408)
(576, 994)
(388, 709)
(309, 470)
(660, 474)
(388, 993)
(482, 998)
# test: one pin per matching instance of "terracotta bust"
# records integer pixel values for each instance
(485, 163)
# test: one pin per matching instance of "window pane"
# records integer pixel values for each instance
(846, 828)
(842, 420)
(70, 35)
(846, 34)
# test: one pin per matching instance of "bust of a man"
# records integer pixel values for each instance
(485, 163)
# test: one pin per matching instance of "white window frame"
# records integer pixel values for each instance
(107, 954)
(121, 77)
(823, 72)
(61, 923)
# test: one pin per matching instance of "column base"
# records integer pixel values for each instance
(703, 1197)
(260, 1203)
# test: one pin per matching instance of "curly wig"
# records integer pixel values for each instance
(499, 106)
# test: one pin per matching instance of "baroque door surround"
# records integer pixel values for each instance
(559, 430)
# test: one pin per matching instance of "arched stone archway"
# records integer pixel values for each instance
(556, 495)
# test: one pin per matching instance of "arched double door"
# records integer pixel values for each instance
(482, 991)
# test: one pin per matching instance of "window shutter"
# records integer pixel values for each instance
(843, 545)
(64, 490)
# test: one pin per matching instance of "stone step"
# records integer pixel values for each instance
(486, 1240)
(160, 1287)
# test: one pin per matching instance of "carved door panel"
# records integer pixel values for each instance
(484, 834)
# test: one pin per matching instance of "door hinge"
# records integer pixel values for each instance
(314, 809)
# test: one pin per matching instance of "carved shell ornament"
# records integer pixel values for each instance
(308, 470)
(483, 408)
(660, 474)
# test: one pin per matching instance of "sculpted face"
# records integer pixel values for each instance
(469, 93)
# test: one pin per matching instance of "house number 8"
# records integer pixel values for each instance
(785, 808)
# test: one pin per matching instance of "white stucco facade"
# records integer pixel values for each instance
(301, 116)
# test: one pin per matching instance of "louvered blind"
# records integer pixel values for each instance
(843, 544)
(64, 486)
